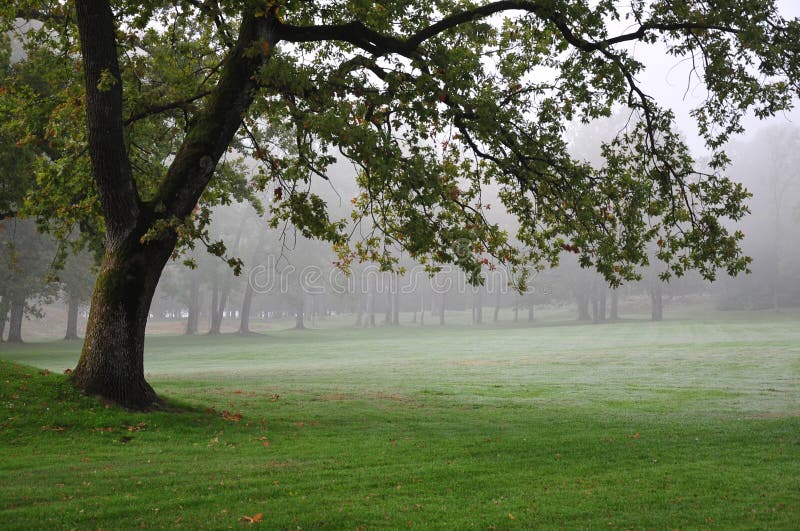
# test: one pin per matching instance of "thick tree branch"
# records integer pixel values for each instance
(110, 164)
(360, 35)
(212, 131)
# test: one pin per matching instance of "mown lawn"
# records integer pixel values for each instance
(686, 423)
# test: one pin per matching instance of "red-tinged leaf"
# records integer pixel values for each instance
(253, 519)
(67, 371)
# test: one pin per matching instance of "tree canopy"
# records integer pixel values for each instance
(432, 101)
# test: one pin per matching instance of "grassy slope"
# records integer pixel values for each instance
(558, 426)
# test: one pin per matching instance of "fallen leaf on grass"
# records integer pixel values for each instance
(253, 519)
(231, 417)
(511, 516)
(53, 428)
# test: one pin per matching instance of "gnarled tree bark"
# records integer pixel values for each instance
(112, 360)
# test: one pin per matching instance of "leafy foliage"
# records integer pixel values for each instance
(433, 103)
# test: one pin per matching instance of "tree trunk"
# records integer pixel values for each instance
(72, 318)
(657, 302)
(216, 315)
(530, 312)
(15, 321)
(601, 303)
(614, 310)
(370, 321)
(396, 308)
(496, 316)
(194, 307)
(299, 318)
(360, 314)
(247, 303)
(477, 301)
(422, 306)
(583, 306)
(112, 359)
(441, 308)
(516, 311)
(387, 319)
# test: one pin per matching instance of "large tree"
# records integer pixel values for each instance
(432, 101)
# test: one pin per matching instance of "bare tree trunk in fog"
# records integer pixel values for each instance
(216, 316)
(396, 307)
(776, 243)
(15, 321)
(218, 311)
(582, 298)
(657, 302)
(530, 312)
(496, 316)
(194, 306)
(313, 304)
(442, 306)
(247, 304)
(614, 305)
(477, 300)
(360, 311)
(72, 318)
(422, 306)
(516, 310)
(601, 303)
(249, 291)
(414, 314)
(299, 315)
(370, 318)
(387, 318)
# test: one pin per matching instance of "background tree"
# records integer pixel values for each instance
(26, 265)
(76, 279)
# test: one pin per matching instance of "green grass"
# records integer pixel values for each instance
(692, 423)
